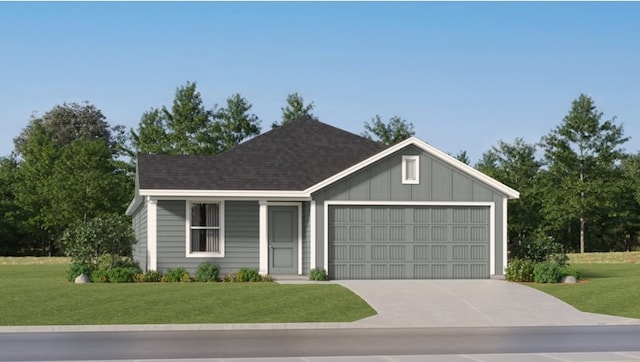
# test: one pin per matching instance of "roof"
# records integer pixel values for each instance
(292, 157)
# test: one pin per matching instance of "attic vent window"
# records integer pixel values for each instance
(410, 169)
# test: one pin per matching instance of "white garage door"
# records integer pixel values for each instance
(408, 242)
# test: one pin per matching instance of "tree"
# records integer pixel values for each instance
(295, 109)
(190, 128)
(515, 165)
(234, 123)
(463, 157)
(86, 241)
(14, 237)
(394, 131)
(66, 172)
(71, 121)
(581, 156)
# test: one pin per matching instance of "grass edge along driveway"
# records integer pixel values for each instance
(605, 288)
(39, 295)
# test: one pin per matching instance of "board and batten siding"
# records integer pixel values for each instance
(139, 224)
(382, 181)
(241, 237)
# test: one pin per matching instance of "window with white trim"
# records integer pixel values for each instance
(410, 169)
(205, 234)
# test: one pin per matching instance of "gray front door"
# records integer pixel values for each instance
(283, 239)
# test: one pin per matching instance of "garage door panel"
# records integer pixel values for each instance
(408, 242)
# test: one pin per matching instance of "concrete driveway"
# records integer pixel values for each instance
(467, 303)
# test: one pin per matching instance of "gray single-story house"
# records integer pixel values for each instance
(309, 195)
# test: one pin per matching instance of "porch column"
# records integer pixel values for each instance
(312, 236)
(264, 238)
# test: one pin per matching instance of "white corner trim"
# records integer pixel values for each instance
(451, 161)
(152, 234)
(312, 235)
(505, 234)
(263, 237)
(492, 239)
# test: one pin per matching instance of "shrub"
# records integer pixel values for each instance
(519, 270)
(100, 276)
(76, 268)
(122, 274)
(228, 278)
(207, 272)
(152, 276)
(248, 275)
(546, 272)
(87, 241)
(318, 274)
(177, 275)
(568, 270)
(539, 248)
(138, 278)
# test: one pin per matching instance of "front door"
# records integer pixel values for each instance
(283, 240)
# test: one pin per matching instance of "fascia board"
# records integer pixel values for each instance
(451, 161)
(228, 194)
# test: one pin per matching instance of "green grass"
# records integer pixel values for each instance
(38, 294)
(605, 288)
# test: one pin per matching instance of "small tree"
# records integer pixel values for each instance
(86, 241)
(390, 133)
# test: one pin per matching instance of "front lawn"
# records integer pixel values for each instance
(38, 294)
(605, 288)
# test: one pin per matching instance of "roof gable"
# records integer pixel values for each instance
(292, 157)
(434, 152)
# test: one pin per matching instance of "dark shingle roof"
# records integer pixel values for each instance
(292, 157)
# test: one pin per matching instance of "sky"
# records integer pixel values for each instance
(466, 74)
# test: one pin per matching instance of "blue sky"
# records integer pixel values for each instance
(465, 74)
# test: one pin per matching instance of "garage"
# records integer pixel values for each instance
(409, 241)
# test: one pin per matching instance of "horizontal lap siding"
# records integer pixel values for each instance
(139, 222)
(306, 233)
(241, 237)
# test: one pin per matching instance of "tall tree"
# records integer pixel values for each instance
(68, 169)
(390, 133)
(189, 128)
(463, 157)
(295, 109)
(234, 123)
(580, 155)
(14, 237)
(515, 165)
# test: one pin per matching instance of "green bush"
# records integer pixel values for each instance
(76, 268)
(318, 274)
(207, 272)
(100, 276)
(248, 275)
(568, 270)
(86, 242)
(519, 270)
(546, 272)
(152, 276)
(122, 274)
(138, 278)
(538, 248)
(177, 275)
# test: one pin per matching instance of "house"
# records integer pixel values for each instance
(308, 195)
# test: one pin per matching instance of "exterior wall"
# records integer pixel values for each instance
(241, 237)
(139, 224)
(382, 181)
